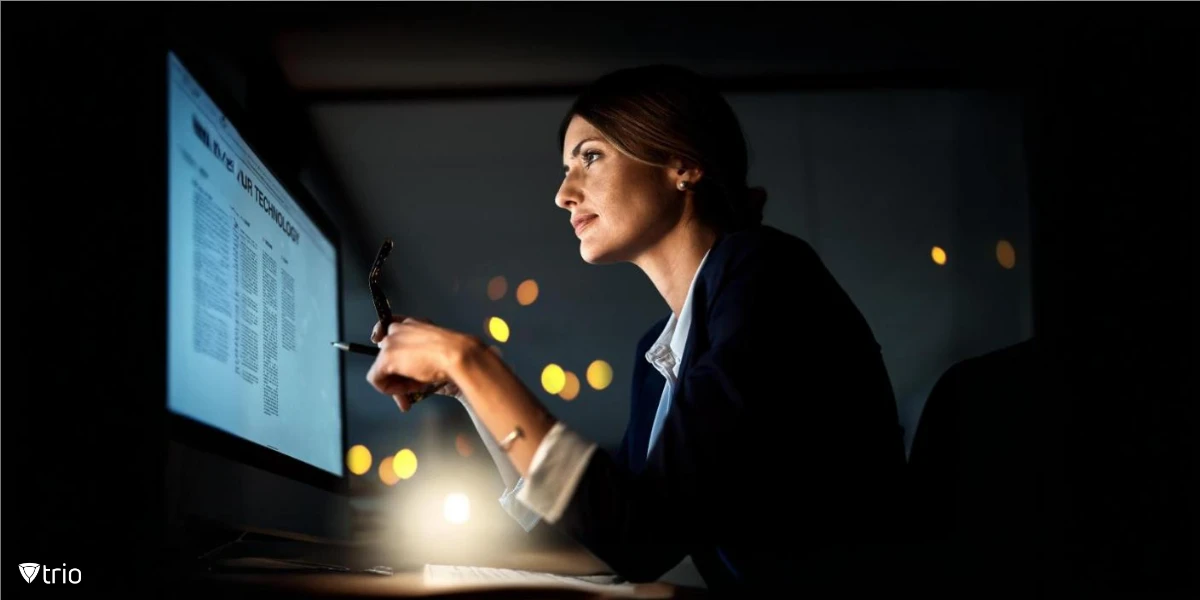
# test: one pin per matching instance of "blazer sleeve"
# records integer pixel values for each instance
(642, 524)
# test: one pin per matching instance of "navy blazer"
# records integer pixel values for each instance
(782, 448)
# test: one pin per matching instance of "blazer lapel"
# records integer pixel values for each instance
(646, 389)
(697, 339)
(647, 406)
(650, 389)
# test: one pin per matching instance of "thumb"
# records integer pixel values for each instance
(379, 331)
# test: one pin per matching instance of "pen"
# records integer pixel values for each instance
(357, 348)
(374, 351)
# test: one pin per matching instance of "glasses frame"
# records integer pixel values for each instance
(383, 309)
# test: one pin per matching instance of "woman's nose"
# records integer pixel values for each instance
(568, 195)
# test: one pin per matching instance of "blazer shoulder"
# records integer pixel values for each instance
(774, 260)
(762, 245)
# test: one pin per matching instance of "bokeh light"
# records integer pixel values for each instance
(457, 508)
(463, 445)
(387, 474)
(1006, 255)
(498, 329)
(405, 463)
(599, 374)
(553, 378)
(938, 255)
(570, 391)
(358, 459)
(527, 292)
(497, 287)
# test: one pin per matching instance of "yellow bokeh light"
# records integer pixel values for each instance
(498, 329)
(1006, 255)
(463, 445)
(497, 287)
(938, 255)
(405, 464)
(358, 459)
(553, 378)
(387, 474)
(571, 390)
(527, 292)
(599, 374)
(457, 508)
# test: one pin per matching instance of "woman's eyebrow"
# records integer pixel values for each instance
(575, 151)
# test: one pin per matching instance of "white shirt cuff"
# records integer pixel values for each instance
(557, 466)
(519, 512)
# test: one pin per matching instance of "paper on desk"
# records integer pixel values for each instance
(462, 575)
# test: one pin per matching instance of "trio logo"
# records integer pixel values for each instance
(30, 572)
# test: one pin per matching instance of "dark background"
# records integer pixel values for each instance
(878, 130)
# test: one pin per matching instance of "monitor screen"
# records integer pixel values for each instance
(252, 291)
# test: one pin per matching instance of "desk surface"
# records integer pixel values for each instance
(411, 583)
(402, 585)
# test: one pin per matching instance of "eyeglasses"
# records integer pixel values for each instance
(383, 309)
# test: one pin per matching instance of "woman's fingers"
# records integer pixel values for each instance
(379, 331)
(408, 358)
(402, 401)
(384, 374)
(409, 321)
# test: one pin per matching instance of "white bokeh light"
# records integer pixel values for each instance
(457, 508)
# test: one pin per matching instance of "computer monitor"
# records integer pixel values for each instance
(253, 304)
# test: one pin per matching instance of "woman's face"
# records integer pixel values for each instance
(619, 206)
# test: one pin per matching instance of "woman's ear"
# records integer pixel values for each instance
(685, 173)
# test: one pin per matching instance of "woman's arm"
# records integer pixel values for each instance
(508, 473)
(501, 402)
(415, 351)
(513, 483)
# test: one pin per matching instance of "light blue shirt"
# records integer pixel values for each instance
(667, 352)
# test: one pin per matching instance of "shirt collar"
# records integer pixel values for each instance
(668, 348)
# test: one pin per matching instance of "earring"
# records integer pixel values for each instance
(682, 185)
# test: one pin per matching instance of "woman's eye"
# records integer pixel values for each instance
(590, 157)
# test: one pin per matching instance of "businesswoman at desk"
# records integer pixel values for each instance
(762, 437)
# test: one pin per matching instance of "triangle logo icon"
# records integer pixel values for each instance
(29, 571)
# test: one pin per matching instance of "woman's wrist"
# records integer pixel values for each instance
(500, 401)
(465, 354)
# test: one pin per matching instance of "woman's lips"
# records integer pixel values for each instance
(581, 222)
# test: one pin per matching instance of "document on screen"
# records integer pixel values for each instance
(252, 289)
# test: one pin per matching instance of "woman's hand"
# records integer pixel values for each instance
(413, 354)
(377, 335)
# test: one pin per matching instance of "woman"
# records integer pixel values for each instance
(762, 434)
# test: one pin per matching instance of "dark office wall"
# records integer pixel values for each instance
(873, 180)
(1113, 149)
(84, 452)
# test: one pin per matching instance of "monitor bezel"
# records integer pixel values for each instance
(198, 434)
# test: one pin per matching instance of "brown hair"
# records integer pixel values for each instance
(658, 113)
